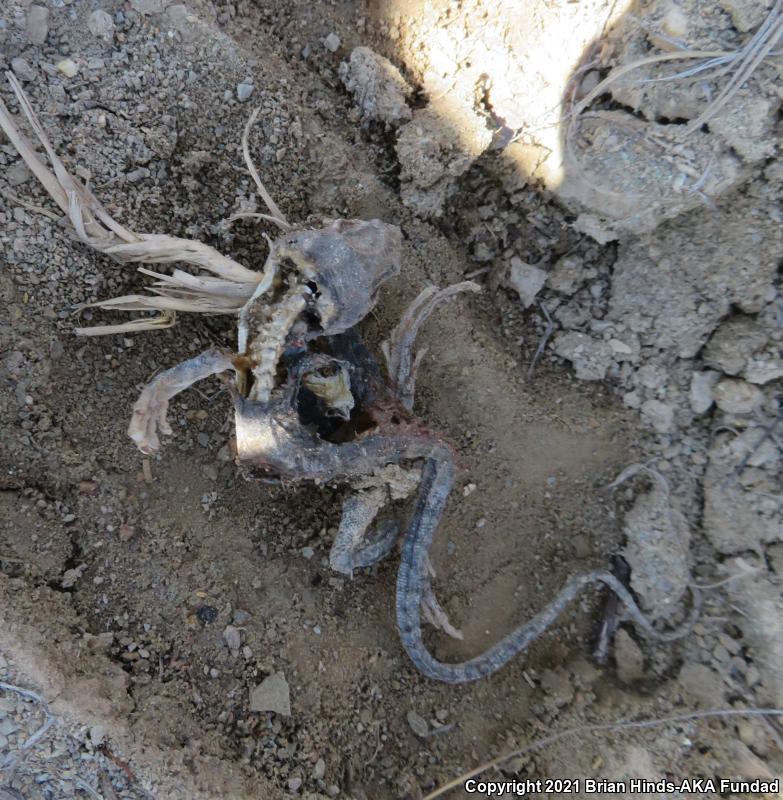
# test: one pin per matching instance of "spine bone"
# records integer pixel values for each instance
(266, 347)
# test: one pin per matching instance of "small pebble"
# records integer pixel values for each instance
(206, 614)
(272, 694)
(332, 42)
(240, 616)
(232, 638)
(18, 173)
(68, 67)
(101, 25)
(244, 90)
(37, 24)
(126, 532)
(417, 723)
(22, 70)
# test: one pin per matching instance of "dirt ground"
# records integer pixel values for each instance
(656, 257)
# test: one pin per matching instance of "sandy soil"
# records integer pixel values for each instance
(119, 578)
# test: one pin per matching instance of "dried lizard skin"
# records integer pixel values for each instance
(273, 437)
(332, 276)
(277, 441)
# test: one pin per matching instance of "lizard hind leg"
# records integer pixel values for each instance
(150, 410)
(433, 612)
(353, 547)
(351, 550)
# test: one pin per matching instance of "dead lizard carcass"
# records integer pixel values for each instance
(309, 399)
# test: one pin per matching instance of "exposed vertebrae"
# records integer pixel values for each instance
(334, 274)
(265, 348)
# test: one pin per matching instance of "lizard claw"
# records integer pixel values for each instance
(149, 415)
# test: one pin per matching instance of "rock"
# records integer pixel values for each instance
(702, 684)
(101, 25)
(620, 349)
(71, 576)
(675, 22)
(749, 127)
(764, 367)
(733, 343)
(659, 415)
(748, 764)
(656, 549)
(434, 149)
(672, 297)
(526, 280)
(272, 694)
(149, 6)
(628, 657)
(68, 67)
(22, 70)
(378, 87)
(591, 357)
(557, 684)
(294, 784)
(99, 643)
(567, 275)
(746, 14)
(417, 724)
(37, 28)
(739, 517)
(206, 614)
(184, 21)
(18, 173)
(126, 532)
(233, 638)
(650, 376)
(762, 610)
(244, 90)
(319, 770)
(97, 735)
(240, 616)
(737, 397)
(701, 398)
(332, 42)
